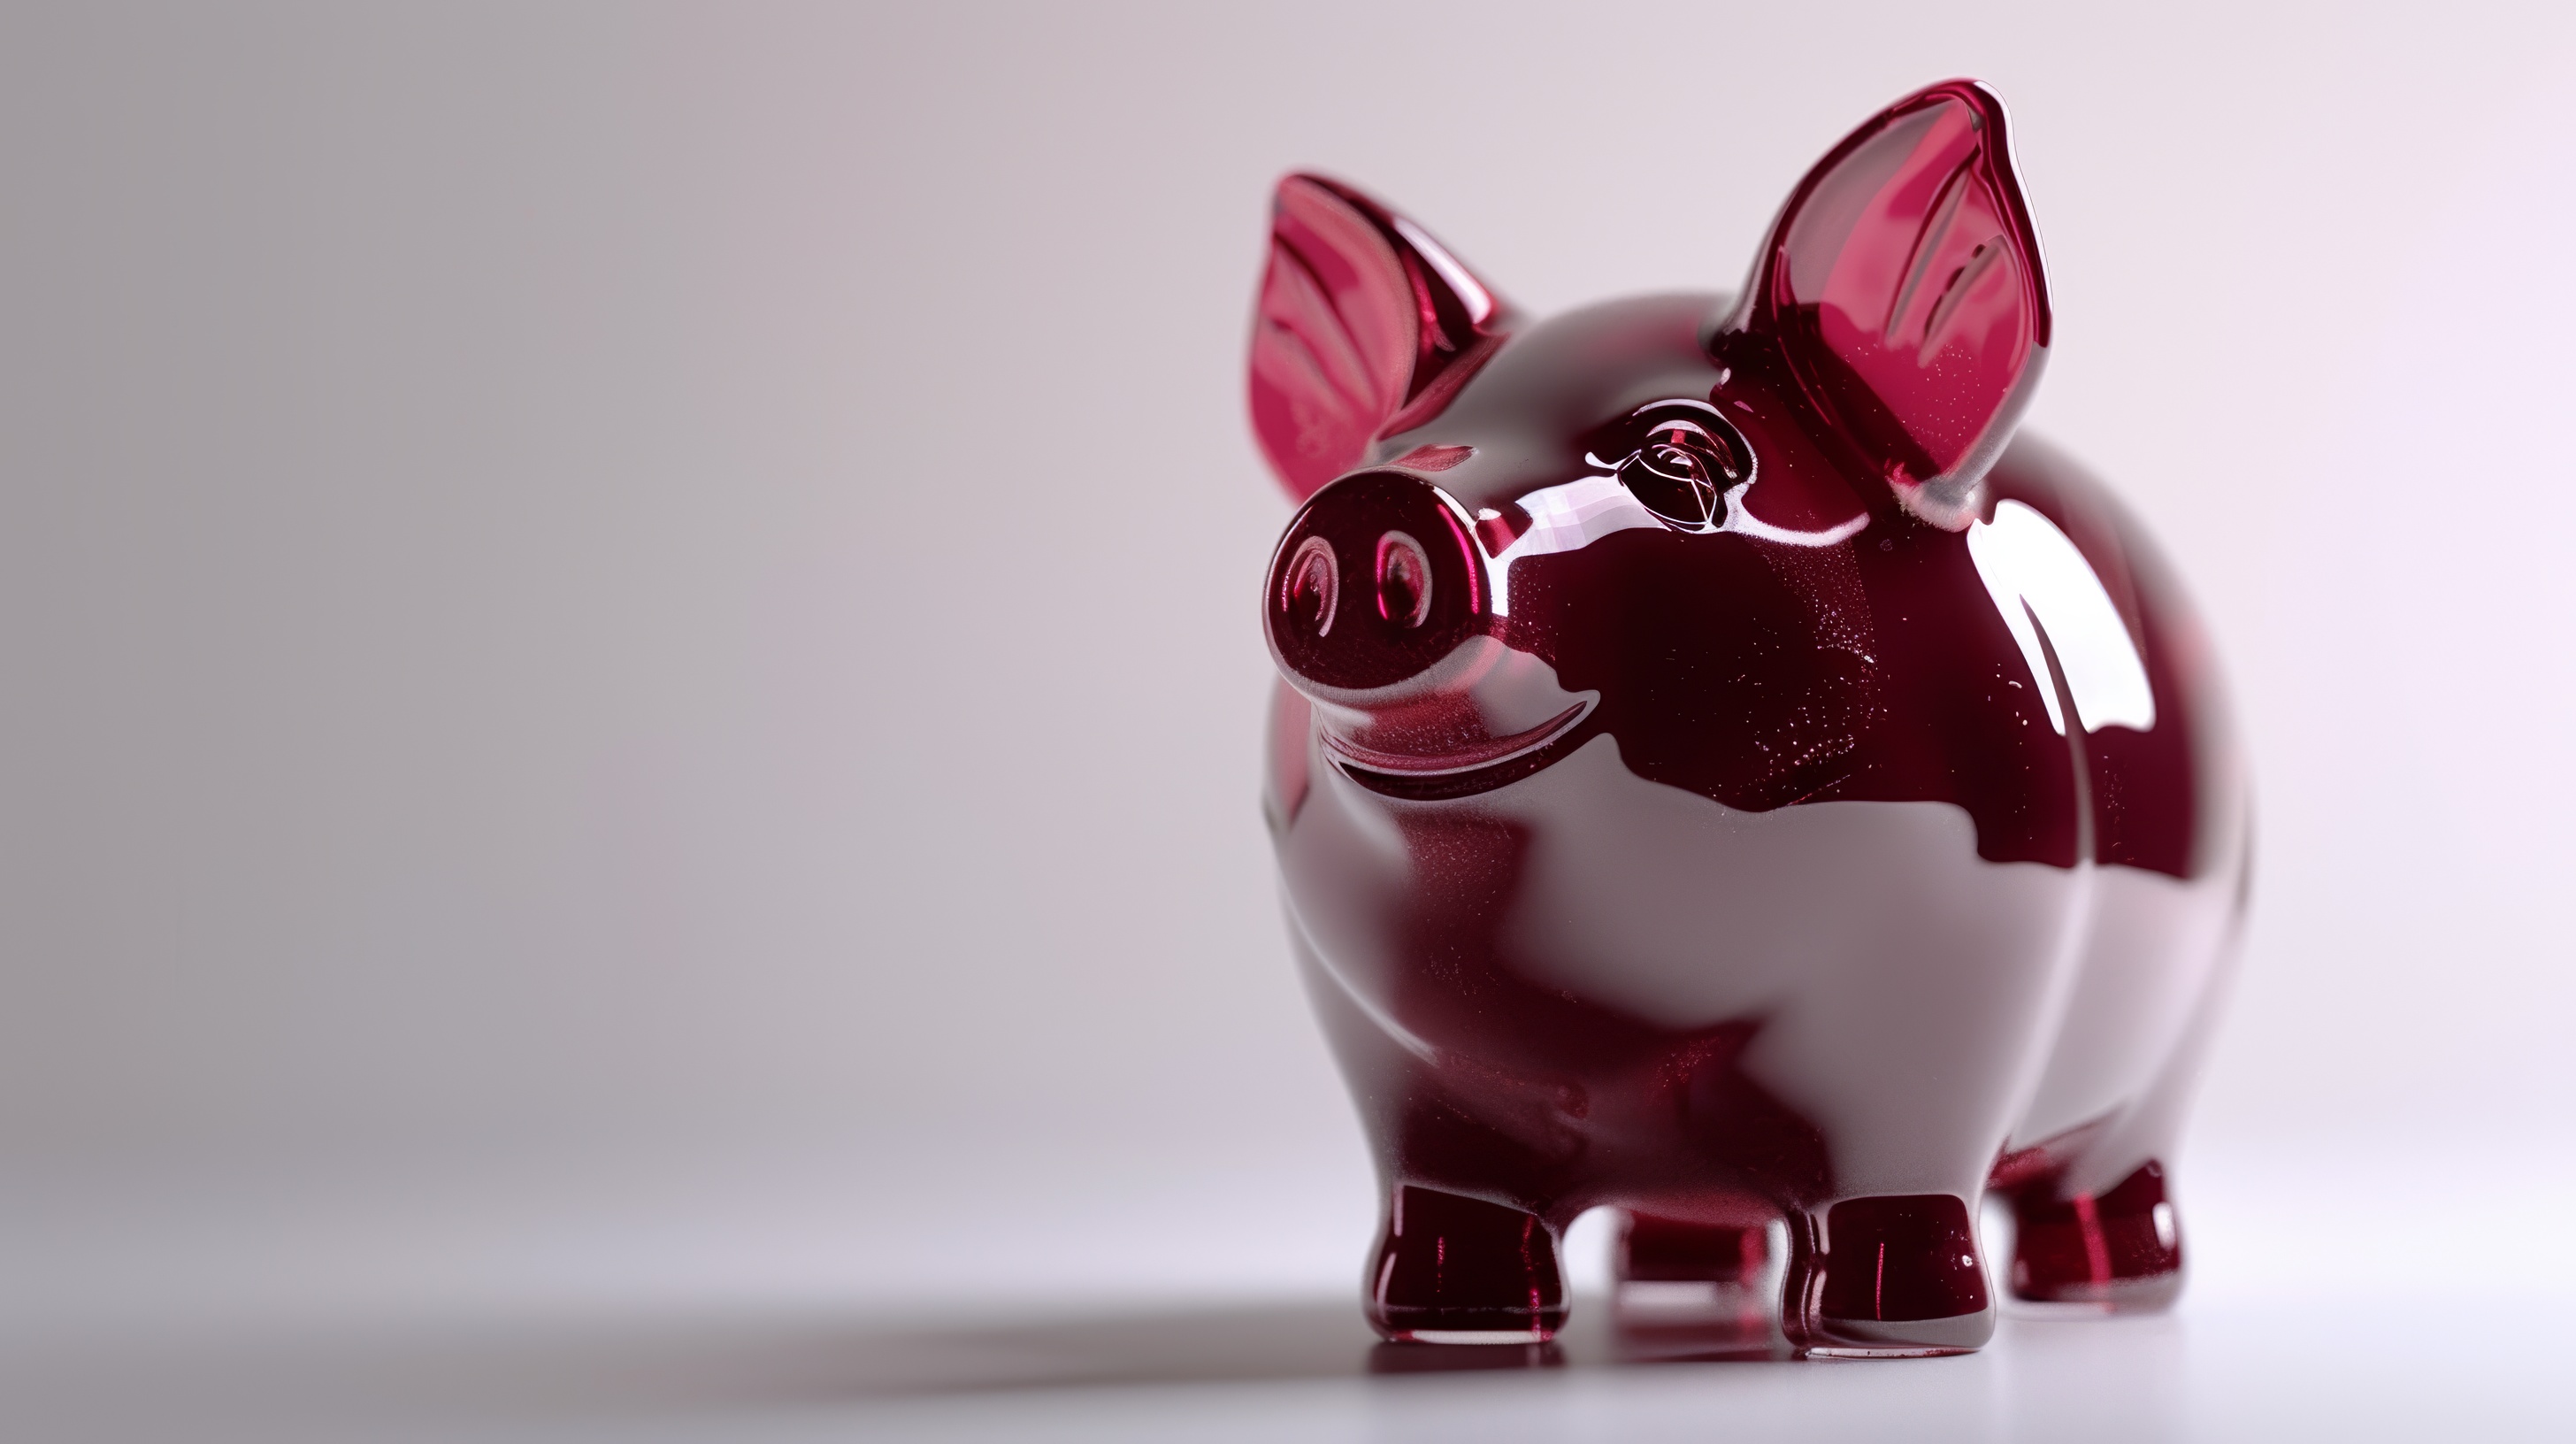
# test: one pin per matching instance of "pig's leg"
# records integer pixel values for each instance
(1892, 1275)
(1685, 1273)
(1656, 1249)
(1464, 1254)
(2100, 1227)
(2121, 1248)
(1451, 1265)
(1456, 1270)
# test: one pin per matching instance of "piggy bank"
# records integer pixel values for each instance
(1720, 772)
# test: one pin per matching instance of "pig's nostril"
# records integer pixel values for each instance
(1403, 580)
(1312, 587)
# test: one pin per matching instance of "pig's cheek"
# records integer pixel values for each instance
(1349, 877)
(1292, 758)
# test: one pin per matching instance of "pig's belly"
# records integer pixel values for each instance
(1907, 988)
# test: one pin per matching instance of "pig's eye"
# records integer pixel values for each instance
(1680, 467)
(1403, 580)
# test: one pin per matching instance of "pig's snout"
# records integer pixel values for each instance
(1374, 584)
(1378, 611)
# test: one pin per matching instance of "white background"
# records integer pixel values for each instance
(628, 631)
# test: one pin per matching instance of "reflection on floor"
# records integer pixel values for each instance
(618, 1365)
(1294, 1369)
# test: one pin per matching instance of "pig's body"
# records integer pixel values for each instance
(1585, 986)
(1825, 853)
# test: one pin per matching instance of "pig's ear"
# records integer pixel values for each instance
(1902, 283)
(1365, 327)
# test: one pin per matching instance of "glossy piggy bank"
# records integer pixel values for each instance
(1722, 774)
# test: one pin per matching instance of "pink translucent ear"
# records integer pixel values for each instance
(1366, 326)
(1902, 282)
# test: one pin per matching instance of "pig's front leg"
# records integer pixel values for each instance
(1890, 1275)
(1450, 1269)
(1463, 1253)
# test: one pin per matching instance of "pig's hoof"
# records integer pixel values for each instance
(2120, 1250)
(1901, 1279)
(1452, 1270)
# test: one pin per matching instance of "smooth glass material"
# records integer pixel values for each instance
(1720, 772)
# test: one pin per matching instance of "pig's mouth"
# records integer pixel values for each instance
(1458, 771)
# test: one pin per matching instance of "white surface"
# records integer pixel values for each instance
(1292, 1370)
(620, 681)
(2332, 1299)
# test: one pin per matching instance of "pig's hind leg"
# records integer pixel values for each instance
(2120, 1249)
(2094, 1219)
(1694, 1275)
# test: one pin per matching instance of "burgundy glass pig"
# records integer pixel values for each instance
(1720, 773)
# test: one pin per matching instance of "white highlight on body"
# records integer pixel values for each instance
(1575, 514)
(2031, 568)
(1871, 937)
(1567, 518)
(1745, 523)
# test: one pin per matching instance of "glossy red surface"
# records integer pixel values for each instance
(1722, 773)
